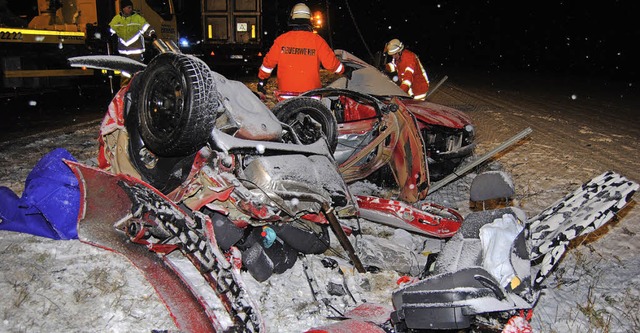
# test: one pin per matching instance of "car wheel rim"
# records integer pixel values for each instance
(165, 103)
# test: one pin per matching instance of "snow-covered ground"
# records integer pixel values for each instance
(69, 286)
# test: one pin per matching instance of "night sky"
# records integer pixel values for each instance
(576, 38)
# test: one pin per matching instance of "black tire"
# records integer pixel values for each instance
(297, 111)
(176, 103)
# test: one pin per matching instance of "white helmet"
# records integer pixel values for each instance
(301, 11)
(394, 46)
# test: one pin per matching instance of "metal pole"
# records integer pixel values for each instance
(342, 238)
(112, 74)
(431, 91)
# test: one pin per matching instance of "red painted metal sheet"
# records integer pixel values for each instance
(348, 326)
(437, 114)
(365, 318)
(429, 219)
(104, 204)
(370, 312)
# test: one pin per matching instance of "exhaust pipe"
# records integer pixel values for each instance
(166, 46)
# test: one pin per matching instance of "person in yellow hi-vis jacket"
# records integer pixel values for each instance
(130, 29)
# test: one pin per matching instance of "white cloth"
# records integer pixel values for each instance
(496, 239)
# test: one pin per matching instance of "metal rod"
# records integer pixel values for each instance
(342, 238)
(431, 91)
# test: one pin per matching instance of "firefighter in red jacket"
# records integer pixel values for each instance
(413, 78)
(298, 54)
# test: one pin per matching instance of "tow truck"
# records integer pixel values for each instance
(37, 37)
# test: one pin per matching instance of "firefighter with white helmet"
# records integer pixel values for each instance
(394, 46)
(298, 54)
(300, 11)
(412, 75)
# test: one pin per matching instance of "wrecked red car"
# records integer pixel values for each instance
(370, 123)
(193, 163)
(248, 194)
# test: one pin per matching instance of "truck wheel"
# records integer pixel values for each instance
(309, 119)
(177, 104)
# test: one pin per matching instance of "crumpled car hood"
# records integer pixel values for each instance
(437, 114)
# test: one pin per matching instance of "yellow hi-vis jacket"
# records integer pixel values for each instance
(130, 31)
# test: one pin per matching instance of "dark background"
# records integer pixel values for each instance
(562, 43)
(596, 40)
(567, 38)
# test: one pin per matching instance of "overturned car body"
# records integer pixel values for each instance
(191, 162)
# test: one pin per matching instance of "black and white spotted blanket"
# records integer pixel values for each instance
(577, 214)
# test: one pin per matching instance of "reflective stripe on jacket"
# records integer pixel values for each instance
(299, 55)
(130, 31)
(412, 75)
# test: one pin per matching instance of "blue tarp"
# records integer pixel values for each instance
(50, 202)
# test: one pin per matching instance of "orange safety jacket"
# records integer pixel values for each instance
(413, 77)
(298, 55)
